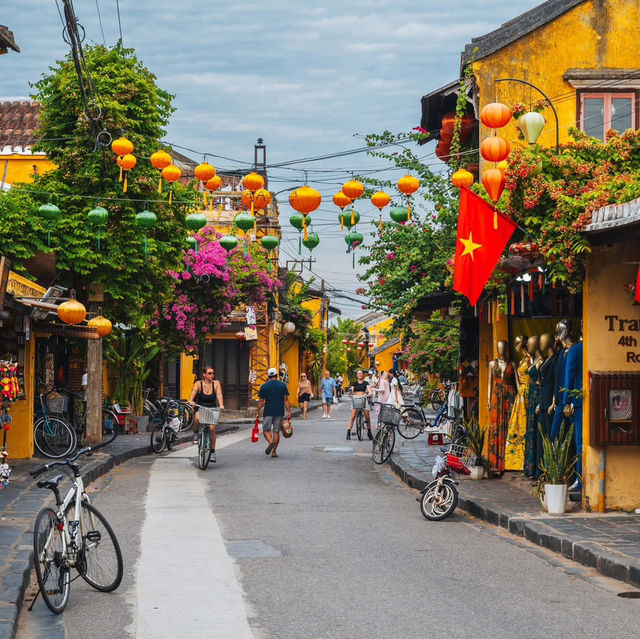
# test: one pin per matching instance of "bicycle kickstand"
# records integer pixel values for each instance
(30, 608)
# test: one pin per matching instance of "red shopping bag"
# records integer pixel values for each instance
(255, 433)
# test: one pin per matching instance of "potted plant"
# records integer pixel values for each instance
(558, 467)
(476, 435)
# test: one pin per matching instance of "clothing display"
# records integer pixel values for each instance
(503, 392)
(455, 403)
(533, 439)
(514, 452)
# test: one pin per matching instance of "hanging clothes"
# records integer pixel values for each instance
(503, 392)
(514, 452)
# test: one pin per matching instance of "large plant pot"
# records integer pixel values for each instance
(477, 472)
(556, 498)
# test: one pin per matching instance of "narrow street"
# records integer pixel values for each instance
(317, 543)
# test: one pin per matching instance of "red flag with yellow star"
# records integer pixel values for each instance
(483, 233)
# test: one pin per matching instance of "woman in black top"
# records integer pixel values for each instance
(360, 389)
(206, 392)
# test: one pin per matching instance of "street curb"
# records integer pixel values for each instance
(537, 532)
(16, 580)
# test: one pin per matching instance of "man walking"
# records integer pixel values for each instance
(274, 396)
(328, 387)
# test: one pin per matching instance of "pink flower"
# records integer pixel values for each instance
(391, 256)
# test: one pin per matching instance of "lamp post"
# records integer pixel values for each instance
(533, 86)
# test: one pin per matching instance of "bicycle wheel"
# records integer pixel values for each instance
(50, 561)
(439, 500)
(388, 442)
(99, 561)
(411, 424)
(109, 424)
(189, 412)
(54, 437)
(204, 447)
(158, 438)
(437, 400)
(170, 437)
(383, 444)
(359, 424)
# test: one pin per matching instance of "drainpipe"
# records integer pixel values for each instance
(601, 490)
(4, 174)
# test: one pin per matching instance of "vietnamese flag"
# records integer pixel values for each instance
(483, 233)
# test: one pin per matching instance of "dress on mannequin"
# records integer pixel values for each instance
(514, 452)
(531, 453)
(573, 381)
(503, 392)
(547, 385)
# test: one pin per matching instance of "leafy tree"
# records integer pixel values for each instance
(130, 103)
(339, 359)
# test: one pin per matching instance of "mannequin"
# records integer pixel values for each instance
(572, 402)
(514, 452)
(565, 339)
(501, 394)
(545, 408)
(533, 410)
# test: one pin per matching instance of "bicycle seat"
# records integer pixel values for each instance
(51, 484)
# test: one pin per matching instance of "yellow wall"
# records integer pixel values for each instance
(313, 304)
(20, 435)
(20, 167)
(543, 56)
(617, 265)
(290, 355)
(384, 358)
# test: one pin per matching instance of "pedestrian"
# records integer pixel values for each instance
(329, 392)
(206, 392)
(395, 390)
(274, 396)
(361, 390)
(304, 394)
(383, 391)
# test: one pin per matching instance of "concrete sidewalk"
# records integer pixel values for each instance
(608, 542)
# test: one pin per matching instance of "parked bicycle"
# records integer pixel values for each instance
(53, 435)
(175, 407)
(439, 498)
(165, 430)
(385, 439)
(208, 415)
(414, 421)
(74, 535)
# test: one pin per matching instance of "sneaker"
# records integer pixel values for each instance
(369, 435)
(348, 434)
(212, 456)
(328, 416)
(194, 439)
(324, 417)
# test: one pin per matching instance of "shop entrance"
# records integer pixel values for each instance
(230, 359)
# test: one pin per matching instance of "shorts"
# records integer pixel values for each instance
(305, 397)
(272, 423)
(327, 399)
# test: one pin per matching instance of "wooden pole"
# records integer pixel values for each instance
(94, 391)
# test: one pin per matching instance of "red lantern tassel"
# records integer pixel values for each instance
(513, 300)
(522, 298)
(531, 290)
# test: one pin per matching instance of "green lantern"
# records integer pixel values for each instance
(146, 220)
(228, 243)
(297, 221)
(399, 214)
(50, 213)
(244, 221)
(269, 242)
(356, 239)
(192, 243)
(349, 218)
(313, 239)
(98, 217)
(195, 221)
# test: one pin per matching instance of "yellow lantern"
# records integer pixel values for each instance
(247, 198)
(461, 178)
(380, 200)
(408, 185)
(204, 172)
(305, 200)
(126, 164)
(121, 147)
(101, 324)
(261, 199)
(341, 201)
(253, 181)
(160, 160)
(72, 312)
(171, 174)
(353, 189)
(212, 184)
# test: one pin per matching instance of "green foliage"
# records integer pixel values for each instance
(312, 341)
(87, 177)
(432, 347)
(476, 435)
(557, 464)
(292, 295)
(339, 359)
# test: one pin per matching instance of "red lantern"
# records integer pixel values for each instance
(361, 345)
(240, 336)
(352, 342)
(371, 344)
(345, 341)
(494, 181)
(495, 149)
(495, 115)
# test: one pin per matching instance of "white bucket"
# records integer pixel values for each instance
(556, 498)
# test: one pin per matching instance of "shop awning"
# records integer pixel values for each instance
(436, 104)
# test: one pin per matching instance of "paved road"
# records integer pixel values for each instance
(316, 543)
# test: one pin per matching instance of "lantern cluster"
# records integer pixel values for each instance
(305, 200)
(443, 149)
(350, 192)
(495, 148)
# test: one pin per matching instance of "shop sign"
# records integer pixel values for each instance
(616, 324)
(20, 286)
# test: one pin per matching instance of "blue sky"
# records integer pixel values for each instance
(305, 76)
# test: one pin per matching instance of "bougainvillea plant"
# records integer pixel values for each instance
(203, 294)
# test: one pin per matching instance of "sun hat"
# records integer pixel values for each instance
(272, 372)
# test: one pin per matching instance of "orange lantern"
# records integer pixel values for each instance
(305, 200)
(171, 174)
(204, 172)
(503, 166)
(380, 200)
(494, 181)
(121, 147)
(408, 185)
(212, 184)
(341, 201)
(462, 178)
(495, 149)
(353, 189)
(72, 312)
(495, 115)
(101, 324)
(160, 160)
(126, 164)
(261, 199)
(253, 181)
(247, 198)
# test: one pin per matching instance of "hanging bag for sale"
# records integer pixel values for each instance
(255, 433)
(286, 428)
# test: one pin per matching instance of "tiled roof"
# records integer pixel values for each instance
(18, 121)
(614, 216)
(6, 39)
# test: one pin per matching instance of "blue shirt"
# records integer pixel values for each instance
(273, 392)
(573, 375)
(328, 386)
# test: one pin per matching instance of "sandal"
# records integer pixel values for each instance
(269, 448)
(274, 455)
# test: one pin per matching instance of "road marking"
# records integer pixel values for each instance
(186, 584)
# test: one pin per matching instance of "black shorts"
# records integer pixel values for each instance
(305, 397)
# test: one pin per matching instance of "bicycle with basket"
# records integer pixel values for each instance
(439, 498)
(208, 415)
(385, 439)
(359, 403)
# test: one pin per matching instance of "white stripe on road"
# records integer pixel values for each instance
(186, 584)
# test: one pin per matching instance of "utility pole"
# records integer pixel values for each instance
(324, 324)
(260, 160)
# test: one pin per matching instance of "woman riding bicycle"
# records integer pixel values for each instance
(359, 391)
(206, 392)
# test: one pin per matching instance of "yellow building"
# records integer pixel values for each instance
(583, 56)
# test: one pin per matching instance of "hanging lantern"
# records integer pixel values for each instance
(71, 312)
(261, 199)
(495, 115)
(244, 221)
(228, 243)
(353, 189)
(494, 181)
(348, 218)
(121, 147)
(253, 181)
(408, 184)
(531, 125)
(449, 123)
(443, 151)
(341, 200)
(241, 336)
(503, 166)
(311, 241)
(305, 200)
(289, 327)
(192, 243)
(127, 162)
(171, 174)
(494, 148)
(399, 214)
(50, 213)
(160, 160)
(211, 185)
(446, 135)
(146, 220)
(195, 221)
(204, 172)
(356, 239)
(371, 344)
(98, 217)
(269, 242)
(461, 178)
(360, 345)
(247, 198)
(345, 341)
(352, 342)
(101, 324)
(380, 200)
(297, 220)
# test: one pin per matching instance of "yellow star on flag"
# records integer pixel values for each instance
(469, 246)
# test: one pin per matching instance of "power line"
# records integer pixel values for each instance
(119, 22)
(100, 21)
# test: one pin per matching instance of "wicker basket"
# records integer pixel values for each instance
(389, 414)
(208, 415)
(358, 402)
(57, 403)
